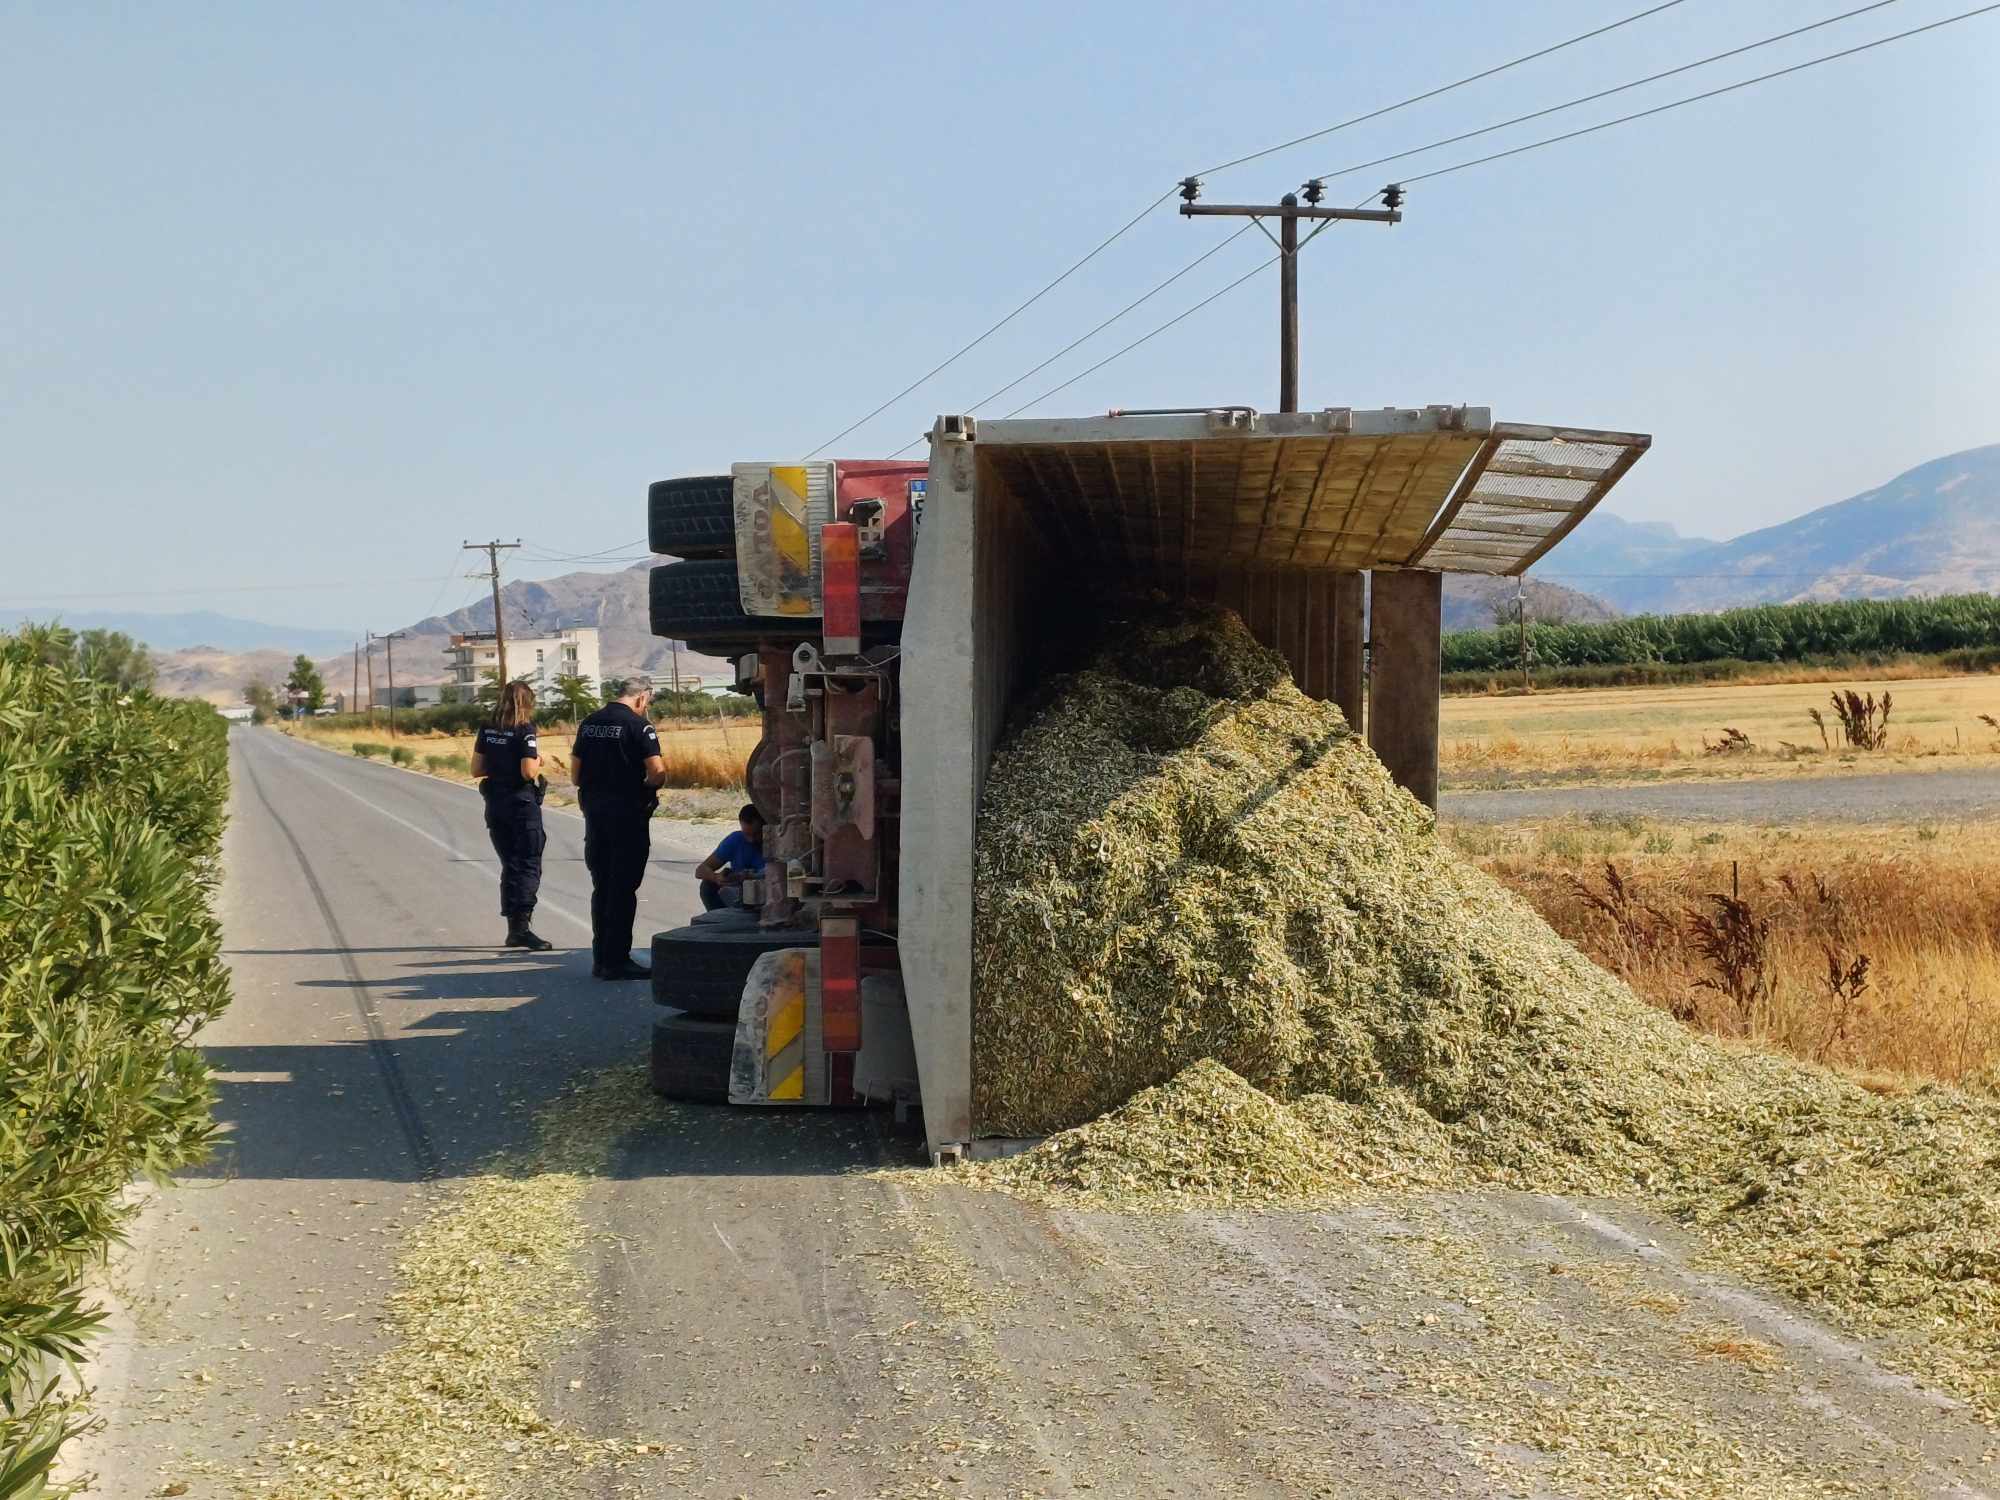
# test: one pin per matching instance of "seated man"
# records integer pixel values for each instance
(736, 859)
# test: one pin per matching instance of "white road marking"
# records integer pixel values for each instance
(429, 837)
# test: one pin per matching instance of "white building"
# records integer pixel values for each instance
(535, 660)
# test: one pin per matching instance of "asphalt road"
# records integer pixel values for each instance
(787, 1323)
(1897, 797)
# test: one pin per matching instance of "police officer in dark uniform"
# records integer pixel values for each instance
(507, 759)
(618, 769)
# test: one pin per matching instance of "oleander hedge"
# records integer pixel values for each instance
(111, 814)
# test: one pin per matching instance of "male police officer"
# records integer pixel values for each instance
(617, 765)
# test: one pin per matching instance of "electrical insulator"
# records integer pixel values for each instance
(1392, 196)
(1190, 189)
(1314, 191)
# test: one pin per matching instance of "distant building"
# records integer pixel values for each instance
(415, 694)
(535, 660)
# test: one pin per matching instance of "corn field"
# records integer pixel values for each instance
(1762, 633)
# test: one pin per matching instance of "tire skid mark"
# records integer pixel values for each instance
(423, 1152)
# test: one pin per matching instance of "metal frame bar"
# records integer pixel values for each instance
(1289, 211)
(1632, 446)
(1474, 472)
(1619, 466)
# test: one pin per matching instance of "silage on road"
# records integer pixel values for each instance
(1183, 862)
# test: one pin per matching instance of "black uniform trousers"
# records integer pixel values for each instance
(514, 823)
(615, 848)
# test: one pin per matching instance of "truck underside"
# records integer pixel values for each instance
(886, 615)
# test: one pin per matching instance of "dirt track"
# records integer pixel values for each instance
(1907, 797)
(790, 1308)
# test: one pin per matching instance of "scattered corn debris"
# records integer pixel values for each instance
(1183, 862)
(490, 1287)
(1204, 1138)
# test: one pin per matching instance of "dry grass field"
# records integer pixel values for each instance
(1875, 950)
(705, 754)
(1669, 732)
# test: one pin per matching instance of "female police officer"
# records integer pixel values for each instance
(508, 762)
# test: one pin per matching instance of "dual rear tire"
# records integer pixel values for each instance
(696, 599)
(698, 978)
(691, 1058)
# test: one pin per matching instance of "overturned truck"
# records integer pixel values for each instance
(886, 616)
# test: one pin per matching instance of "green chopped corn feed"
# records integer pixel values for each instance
(1220, 958)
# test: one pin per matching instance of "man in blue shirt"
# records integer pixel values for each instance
(736, 859)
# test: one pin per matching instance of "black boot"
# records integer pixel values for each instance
(520, 935)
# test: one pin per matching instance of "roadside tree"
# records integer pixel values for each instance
(114, 657)
(306, 681)
(577, 695)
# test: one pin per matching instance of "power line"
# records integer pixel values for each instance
(1131, 223)
(592, 559)
(1660, 109)
(1144, 337)
(1119, 354)
(1554, 109)
(1387, 109)
(1093, 333)
(1550, 141)
(556, 554)
(1099, 249)
(438, 598)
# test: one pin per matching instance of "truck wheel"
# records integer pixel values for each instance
(692, 517)
(697, 601)
(701, 970)
(691, 1058)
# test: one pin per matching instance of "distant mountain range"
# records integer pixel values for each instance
(616, 603)
(1932, 530)
(178, 632)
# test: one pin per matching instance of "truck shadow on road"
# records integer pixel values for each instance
(447, 1054)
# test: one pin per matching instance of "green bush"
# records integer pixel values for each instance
(443, 765)
(402, 755)
(1848, 628)
(110, 963)
(368, 749)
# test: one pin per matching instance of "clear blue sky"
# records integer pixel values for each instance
(304, 295)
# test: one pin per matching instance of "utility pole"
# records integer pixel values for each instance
(493, 551)
(389, 646)
(357, 677)
(370, 655)
(1288, 211)
(1521, 618)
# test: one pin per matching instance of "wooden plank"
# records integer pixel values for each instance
(1403, 680)
(1350, 630)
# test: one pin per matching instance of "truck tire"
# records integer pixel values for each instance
(691, 1058)
(696, 601)
(692, 517)
(701, 970)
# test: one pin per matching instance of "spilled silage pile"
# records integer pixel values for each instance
(1188, 870)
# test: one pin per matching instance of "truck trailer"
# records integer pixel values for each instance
(886, 616)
